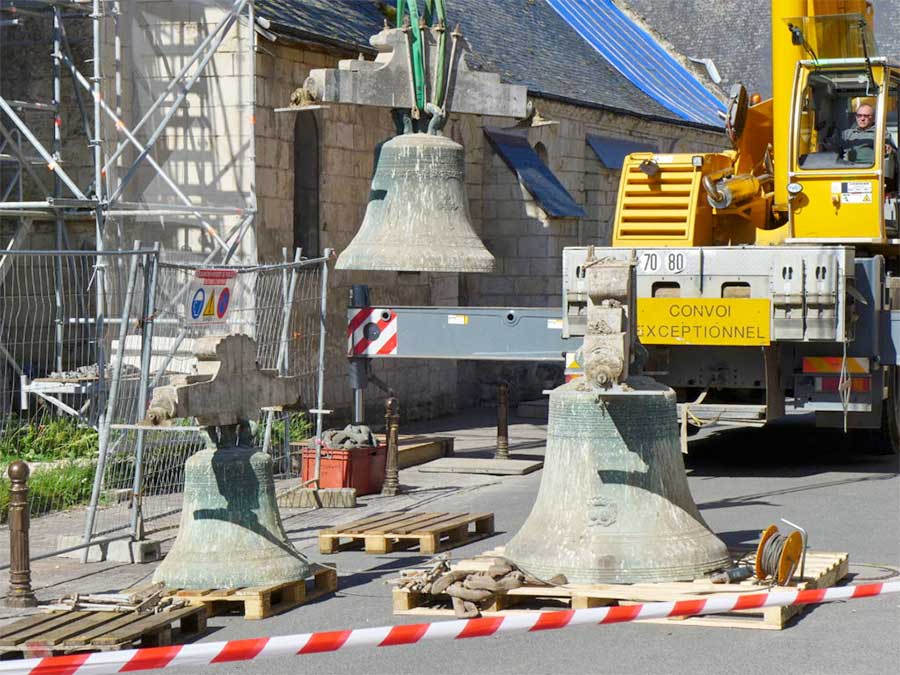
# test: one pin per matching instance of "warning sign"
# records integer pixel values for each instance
(210, 296)
(852, 192)
(702, 321)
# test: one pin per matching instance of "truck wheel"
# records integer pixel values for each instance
(889, 438)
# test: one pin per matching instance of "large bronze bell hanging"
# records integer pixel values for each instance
(614, 504)
(417, 219)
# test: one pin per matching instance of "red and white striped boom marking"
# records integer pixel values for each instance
(202, 654)
(371, 331)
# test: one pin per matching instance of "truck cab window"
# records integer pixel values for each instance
(838, 127)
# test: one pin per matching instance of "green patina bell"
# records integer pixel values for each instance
(614, 505)
(418, 219)
(231, 533)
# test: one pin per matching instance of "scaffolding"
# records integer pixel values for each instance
(124, 161)
(120, 121)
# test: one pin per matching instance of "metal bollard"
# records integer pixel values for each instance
(502, 451)
(391, 485)
(20, 593)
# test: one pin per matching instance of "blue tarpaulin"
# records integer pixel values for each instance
(634, 53)
(536, 176)
(612, 151)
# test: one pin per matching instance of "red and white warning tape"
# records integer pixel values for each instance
(202, 654)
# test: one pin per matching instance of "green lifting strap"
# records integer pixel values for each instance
(435, 14)
(438, 93)
(418, 48)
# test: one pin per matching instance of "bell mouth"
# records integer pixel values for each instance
(405, 261)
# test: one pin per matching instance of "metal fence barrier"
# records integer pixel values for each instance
(78, 365)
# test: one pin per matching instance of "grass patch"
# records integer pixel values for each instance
(54, 488)
(59, 438)
(299, 429)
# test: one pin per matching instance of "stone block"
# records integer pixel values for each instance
(546, 267)
(501, 247)
(517, 267)
(311, 498)
(122, 550)
(533, 247)
(530, 285)
(385, 82)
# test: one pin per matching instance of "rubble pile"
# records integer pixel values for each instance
(471, 591)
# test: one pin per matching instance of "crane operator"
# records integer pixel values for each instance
(858, 142)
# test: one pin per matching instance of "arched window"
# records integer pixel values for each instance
(306, 184)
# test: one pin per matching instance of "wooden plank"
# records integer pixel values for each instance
(485, 525)
(227, 594)
(147, 624)
(426, 529)
(429, 526)
(429, 544)
(377, 544)
(413, 451)
(23, 624)
(357, 525)
(260, 602)
(413, 519)
(80, 622)
(189, 592)
(87, 636)
(462, 519)
(338, 529)
(28, 632)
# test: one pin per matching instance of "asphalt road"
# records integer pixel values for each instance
(742, 480)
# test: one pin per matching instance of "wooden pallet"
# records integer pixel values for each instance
(822, 569)
(261, 602)
(432, 532)
(79, 631)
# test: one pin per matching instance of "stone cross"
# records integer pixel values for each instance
(228, 389)
(610, 322)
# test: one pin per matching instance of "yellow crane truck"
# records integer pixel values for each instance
(767, 275)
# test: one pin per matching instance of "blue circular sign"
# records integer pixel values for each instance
(197, 303)
(222, 305)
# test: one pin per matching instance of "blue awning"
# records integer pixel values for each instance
(536, 176)
(612, 151)
(634, 53)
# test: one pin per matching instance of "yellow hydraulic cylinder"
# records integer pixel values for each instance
(785, 55)
(732, 191)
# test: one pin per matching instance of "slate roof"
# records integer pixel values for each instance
(735, 34)
(525, 41)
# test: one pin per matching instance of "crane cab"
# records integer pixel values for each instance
(842, 168)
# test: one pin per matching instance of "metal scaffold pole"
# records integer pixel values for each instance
(125, 176)
(99, 273)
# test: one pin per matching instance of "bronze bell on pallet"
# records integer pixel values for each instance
(418, 219)
(231, 533)
(614, 504)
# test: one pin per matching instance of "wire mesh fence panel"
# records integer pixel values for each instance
(56, 344)
(278, 306)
